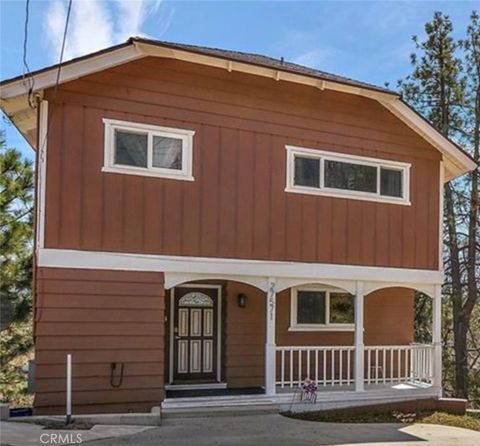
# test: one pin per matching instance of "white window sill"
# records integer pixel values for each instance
(352, 196)
(321, 328)
(148, 173)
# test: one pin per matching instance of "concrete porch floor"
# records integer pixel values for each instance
(288, 399)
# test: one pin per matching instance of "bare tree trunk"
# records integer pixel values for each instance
(460, 327)
(472, 287)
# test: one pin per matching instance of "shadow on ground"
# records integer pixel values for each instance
(275, 430)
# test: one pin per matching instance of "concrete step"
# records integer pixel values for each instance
(217, 410)
(218, 406)
(193, 402)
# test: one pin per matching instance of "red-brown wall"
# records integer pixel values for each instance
(102, 316)
(99, 317)
(244, 337)
(389, 320)
(237, 206)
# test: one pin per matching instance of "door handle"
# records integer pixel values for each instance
(177, 337)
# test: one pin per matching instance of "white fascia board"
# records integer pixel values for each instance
(456, 162)
(64, 258)
(73, 71)
(272, 73)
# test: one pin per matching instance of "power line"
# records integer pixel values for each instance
(67, 19)
(57, 81)
(41, 149)
(28, 79)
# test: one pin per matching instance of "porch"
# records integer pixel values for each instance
(346, 373)
(392, 374)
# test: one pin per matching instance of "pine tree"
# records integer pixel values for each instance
(439, 89)
(16, 234)
(470, 211)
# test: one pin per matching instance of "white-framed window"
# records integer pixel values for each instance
(317, 308)
(142, 149)
(319, 172)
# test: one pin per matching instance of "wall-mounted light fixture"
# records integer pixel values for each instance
(242, 300)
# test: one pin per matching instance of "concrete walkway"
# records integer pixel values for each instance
(248, 430)
(26, 434)
(275, 430)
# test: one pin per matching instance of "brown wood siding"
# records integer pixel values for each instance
(388, 320)
(237, 206)
(100, 317)
(244, 337)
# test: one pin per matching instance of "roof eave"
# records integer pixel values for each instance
(457, 162)
(13, 99)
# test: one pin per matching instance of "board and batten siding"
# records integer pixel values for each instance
(389, 320)
(100, 317)
(237, 206)
(244, 337)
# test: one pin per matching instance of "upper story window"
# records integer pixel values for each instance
(318, 172)
(321, 308)
(141, 149)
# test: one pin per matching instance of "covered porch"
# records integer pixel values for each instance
(347, 373)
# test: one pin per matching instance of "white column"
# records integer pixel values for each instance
(437, 337)
(270, 354)
(359, 346)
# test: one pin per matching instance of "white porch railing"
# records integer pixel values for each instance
(324, 365)
(334, 365)
(399, 363)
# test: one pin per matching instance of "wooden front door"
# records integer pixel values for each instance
(195, 334)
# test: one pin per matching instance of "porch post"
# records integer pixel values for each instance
(270, 354)
(437, 337)
(359, 346)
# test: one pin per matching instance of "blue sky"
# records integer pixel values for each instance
(365, 40)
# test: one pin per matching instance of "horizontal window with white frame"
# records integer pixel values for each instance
(142, 149)
(318, 172)
(315, 308)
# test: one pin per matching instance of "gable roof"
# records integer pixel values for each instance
(14, 97)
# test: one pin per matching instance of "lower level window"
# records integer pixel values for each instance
(141, 149)
(321, 309)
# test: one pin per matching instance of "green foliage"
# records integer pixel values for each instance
(467, 421)
(444, 86)
(445, 419)
(16, 348)
(423, 318)
(16, 233)
(435, 86)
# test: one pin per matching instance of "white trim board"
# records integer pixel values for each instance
(213, 267)
(41, 174)
(455, 161)
(74, 70)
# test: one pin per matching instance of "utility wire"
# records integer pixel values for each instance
(63, 46)
(57, 81)
(28, 80)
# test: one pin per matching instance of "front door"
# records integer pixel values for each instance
(195, 334)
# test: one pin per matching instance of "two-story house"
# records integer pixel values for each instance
(218, 223)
